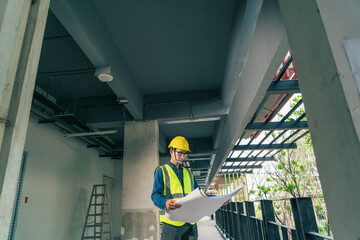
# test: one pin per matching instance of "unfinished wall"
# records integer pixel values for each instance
(58, 180)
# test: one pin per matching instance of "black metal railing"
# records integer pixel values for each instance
(238, 221)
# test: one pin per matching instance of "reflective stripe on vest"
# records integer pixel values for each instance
(174, 190)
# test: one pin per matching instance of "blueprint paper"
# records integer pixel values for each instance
(352, 48)
(196, 205)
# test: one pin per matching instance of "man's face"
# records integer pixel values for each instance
(180, 155)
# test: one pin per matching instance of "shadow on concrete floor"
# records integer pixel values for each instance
(207, 230)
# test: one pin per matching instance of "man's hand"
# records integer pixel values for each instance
(171, 205)
(227, 202)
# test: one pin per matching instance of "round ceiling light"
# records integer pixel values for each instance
(105, 77)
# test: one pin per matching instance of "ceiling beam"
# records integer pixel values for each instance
(260, 126)
(237, 171)
(265, 146)
(200, 155)
(197, 159)
(242, 167)
(191, 107)
(284, 86)
(199, 169)
(250, 159)
(200, 165)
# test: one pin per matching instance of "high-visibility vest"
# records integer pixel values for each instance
(174, 190)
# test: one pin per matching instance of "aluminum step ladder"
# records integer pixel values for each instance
(98, 221)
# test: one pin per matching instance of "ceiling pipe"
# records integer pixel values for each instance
(70, 124)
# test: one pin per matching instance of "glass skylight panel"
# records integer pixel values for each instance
(228, 163)
(243, 163)
(236, 163)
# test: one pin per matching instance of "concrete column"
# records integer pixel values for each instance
(316, 30)
(141, 157)
(22, 25)
(13, 19)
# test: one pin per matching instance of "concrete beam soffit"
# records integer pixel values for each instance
(218, 132)
(244, 23)
(185, 110)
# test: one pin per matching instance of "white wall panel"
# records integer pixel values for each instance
(58, 180)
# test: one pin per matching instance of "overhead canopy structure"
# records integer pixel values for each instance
(186, 73)
(177, 63)
(268, 131)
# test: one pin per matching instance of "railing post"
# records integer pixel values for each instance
(243, 226)
(220, 218)
(226, 221)
(251, 223)
(271, 230)
(223, 219)
(235, 219)
(304, 217)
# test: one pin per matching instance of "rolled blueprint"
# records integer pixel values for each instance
(196, 205)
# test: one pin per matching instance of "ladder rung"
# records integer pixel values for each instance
(98, 204)
(95, 225)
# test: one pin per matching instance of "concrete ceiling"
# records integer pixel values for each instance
(172, 60)
(171, 46)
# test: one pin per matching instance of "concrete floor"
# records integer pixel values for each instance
(207, 230)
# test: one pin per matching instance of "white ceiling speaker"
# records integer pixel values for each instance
(104, 74)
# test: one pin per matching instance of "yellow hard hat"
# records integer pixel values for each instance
(179, 143)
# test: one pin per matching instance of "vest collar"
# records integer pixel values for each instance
(173, 166)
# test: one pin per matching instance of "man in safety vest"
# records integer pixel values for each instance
(171, 182)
